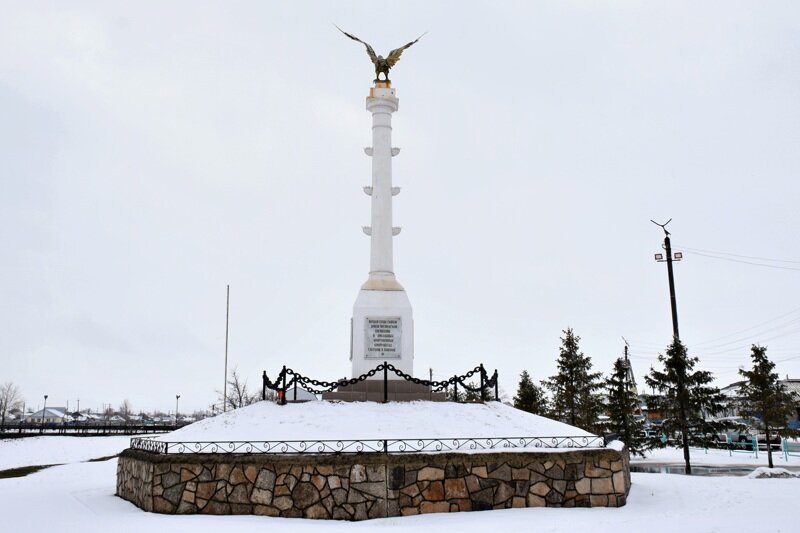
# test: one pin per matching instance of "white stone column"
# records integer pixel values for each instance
(381, 103)
(383, 324)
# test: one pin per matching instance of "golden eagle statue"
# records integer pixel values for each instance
(382, 65)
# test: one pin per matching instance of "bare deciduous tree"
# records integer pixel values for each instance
(10, 398)
(125, 409)
(238, 395)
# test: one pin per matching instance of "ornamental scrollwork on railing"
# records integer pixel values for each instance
(325, 447)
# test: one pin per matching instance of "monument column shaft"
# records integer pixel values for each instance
(382, 328)
(381, 256)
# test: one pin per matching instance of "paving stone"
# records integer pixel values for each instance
(282, 502)
(170, 479)
(502, 472)
(376, 489)
(472, 483)
(358, 474)
(376, 473)
(340, 514)
(265, 510)
(554, 498)
(534, 500)
(520, 474)
(316, 511)
(239, 494)
(482, 500)
(455, 488)
(434, 507)
(261, 496)
(160, 505)
(598, 500)
(360, 511)
(503, 493)
(434, 492)
(305, 495)
(479, 471)
(237, 476)
(173, 494)
(265, 479)
(618, 479)
(602, 486)
(430, 473)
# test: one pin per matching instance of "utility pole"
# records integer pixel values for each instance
(680, 368)
(225, 384)
(669, 259)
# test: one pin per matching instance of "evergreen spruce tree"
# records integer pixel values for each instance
(763, 393)
(530, 397)
(575, 388)
(621, 406)
(685, 396)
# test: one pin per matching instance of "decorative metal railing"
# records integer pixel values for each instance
(287, 378)
(366, 446)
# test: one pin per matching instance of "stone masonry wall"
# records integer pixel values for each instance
(358, 487)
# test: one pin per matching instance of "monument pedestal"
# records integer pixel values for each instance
(382, 329)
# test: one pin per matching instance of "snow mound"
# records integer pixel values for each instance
(764, 472)
(325, 420)
(616, 445)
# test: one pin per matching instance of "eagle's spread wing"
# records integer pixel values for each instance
(370, 52)
(394, 55)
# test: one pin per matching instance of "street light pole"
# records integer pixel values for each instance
(44, 409)
(676, 339)
(669, 259)
(177, 397)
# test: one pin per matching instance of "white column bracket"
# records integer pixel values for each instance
(367, 230)
(368, 190)
(395, 191)
(396, 231)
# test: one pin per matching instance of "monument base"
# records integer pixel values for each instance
(382, 330)
(397, 390)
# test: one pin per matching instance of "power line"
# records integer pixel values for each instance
(743, 262)
(741, 256)
(748, 329)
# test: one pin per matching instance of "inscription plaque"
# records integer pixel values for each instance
(383, 336)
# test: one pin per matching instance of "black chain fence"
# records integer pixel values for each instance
(288, 378)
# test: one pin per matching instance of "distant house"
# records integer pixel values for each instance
(732, 404)
(51, 415)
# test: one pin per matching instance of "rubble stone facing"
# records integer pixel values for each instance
(360, 487)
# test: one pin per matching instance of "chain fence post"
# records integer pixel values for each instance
(385, 384)
(483, 384)
(283, 386)
(264, 386)
(496, 388)
(455, 388)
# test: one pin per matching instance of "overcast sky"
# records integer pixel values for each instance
(153, 152)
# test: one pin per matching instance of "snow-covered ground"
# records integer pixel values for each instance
(80, 497)
(370, 420)
(49, 450)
